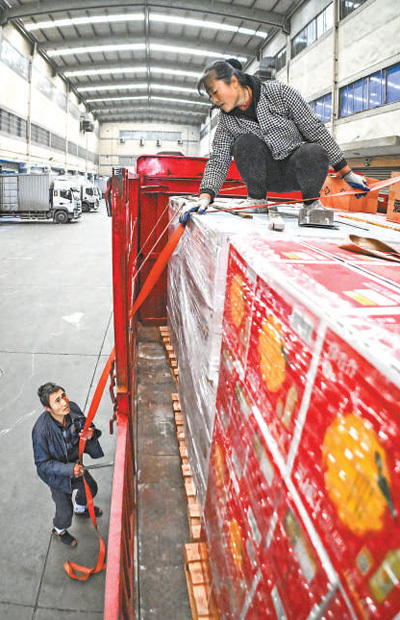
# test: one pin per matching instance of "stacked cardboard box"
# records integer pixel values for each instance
(196, 293)
(335, 185)
(393, 210)
(302, 487)
(301, 425)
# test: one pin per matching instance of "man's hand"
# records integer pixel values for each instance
(87, 434)
(356, 181)
(200, 205)
(78, 470)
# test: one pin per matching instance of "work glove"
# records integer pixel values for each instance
(200, 205)
(356, 181)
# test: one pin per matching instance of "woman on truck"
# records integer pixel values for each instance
(277, 141)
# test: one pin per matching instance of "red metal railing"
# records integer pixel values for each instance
(162, 176)
(119, 593)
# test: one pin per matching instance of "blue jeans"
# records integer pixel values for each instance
(63, 501)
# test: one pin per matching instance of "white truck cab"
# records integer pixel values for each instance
(39, 196)
(89, 196)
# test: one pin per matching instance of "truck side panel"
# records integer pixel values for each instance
(8, 193)
(34, 192)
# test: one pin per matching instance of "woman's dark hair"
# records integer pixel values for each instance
(221, 70)
(46, 390)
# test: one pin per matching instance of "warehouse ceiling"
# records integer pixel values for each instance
(141, 60)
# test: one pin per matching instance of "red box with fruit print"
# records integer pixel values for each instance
(239, 294)
(346, 472)
(292, 563)
(282, 340)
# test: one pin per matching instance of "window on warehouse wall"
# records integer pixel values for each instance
(375, 90)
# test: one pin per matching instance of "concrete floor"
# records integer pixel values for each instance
(56, 325)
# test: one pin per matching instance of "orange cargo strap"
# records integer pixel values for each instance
(158, 268)
(72, 568)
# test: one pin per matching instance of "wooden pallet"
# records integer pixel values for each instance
(195, 553)
(194, 509)
(171, 358)
(198, 579)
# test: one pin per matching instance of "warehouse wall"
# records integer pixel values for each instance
(367, 41)
(118, 149)
(37, 99)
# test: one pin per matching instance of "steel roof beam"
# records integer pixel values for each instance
(34, 9)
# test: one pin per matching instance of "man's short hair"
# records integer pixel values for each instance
(45, 390)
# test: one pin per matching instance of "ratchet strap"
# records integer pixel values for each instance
(351, 192)
(76, 571)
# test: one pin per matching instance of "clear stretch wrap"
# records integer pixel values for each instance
(196, 292)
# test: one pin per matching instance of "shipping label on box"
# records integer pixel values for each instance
(346, 471)
(239, 296)
(282, 339)
(294, 566)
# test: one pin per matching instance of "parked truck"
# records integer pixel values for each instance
(89, 196)
(39, 196)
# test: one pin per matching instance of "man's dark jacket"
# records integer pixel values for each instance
(50, 451)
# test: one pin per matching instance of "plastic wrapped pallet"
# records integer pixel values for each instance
(196, 293)
(303, 488)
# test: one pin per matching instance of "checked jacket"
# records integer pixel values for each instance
(285, 121)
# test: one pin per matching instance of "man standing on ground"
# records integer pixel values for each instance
(55, 439)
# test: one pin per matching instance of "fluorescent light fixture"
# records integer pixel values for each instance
(134, 86)
(119, 47)
(193, 51)
(138, 17)
(119, 70)
(125, 86)
(195, 74)
(177, 89)
(133, 98)
(178, 100)
(115, 71)
(186, 21)
(152, 97)
(79, 21)
(132, 110)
